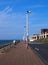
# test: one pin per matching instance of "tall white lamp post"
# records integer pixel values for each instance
(27, 20)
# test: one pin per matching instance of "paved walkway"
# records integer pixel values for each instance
(20, 56)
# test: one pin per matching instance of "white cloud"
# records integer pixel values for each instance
(6, 10)
(11, 19)
(11, 23)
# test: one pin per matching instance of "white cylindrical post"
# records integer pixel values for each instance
(27, 24)
(27, 20)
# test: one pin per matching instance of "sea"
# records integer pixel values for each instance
(5, 42)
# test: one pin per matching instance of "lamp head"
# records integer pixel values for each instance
(28, 12)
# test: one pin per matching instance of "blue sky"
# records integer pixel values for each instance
(13, 19)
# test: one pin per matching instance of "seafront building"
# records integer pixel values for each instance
(34, 37)
(43, 34)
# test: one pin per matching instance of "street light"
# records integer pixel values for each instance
(27, 20)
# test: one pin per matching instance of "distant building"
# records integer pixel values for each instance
(42, 35)
(43, 31)
(34, 37)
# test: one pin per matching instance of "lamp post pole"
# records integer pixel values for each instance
(27, 20)
(27, 24)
